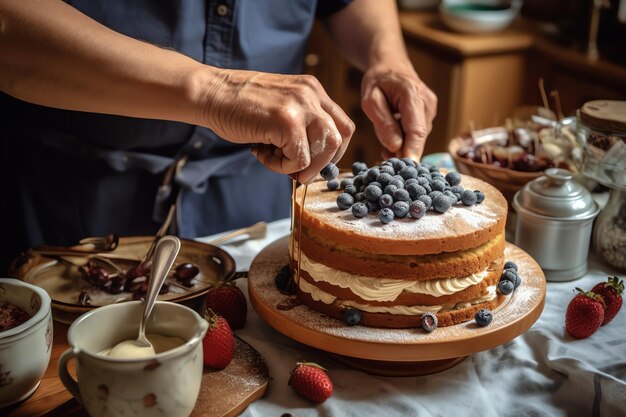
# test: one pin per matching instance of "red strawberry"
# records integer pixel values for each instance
(311, 381)
(218, 344)
(611, 291)
(227, 300)
(584, 314)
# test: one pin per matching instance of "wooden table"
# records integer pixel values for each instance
(51, 398)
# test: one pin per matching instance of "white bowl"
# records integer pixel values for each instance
(459, 15)
(24, 349)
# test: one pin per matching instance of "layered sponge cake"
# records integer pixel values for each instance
(446, 263)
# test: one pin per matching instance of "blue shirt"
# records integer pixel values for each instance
(74, 174)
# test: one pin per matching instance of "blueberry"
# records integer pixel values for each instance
(480, 196)
(429, 322)
(427, 188)
(423, 181)
(332, 185)
(400, 209)
(329, 172)
(397, 164)
(397, 182)
(345, 201)
(453, 198)
(408, 172)
(518, 280)
(383, 179)
(393, 162)
(428, 202)
(401, 195)
(358, 167)
(373, 173)
(353, 316)
(385, 215)
(457, 189)
(360, 198)
(350, 189)
(390, 189)
(438, 185)
(483, 317)
(359, 210)
(423, 171)
(469, 198)
(506, 287)
(510, 265)
(283, 278)
(372, 206)
(441, 203)
(385, 201)
(411, 181)
(345, 182)
(357, 181)
(377, 184)
(434, 194)
(387, 169)
(373, 192)
(415, 190)
(409, 162)
(418, 209)
(453, 178)
(433, 168)
(437, 175)
(508, 275)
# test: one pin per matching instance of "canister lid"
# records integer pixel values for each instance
(605, 115)
(556, 195)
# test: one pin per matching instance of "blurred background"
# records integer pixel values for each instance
(578, 49)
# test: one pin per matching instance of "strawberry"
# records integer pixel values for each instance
(584, 314)
(311, 381)
(218, 344)
(611, 291)
(228, 301)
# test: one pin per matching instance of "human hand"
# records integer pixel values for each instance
(296, 127)
(400, 106)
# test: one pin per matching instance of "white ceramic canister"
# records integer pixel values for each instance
(554, 222)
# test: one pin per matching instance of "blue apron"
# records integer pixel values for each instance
(68, 174)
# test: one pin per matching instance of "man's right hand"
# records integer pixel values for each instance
(296, 126)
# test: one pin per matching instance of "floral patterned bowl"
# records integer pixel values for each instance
(24, 348)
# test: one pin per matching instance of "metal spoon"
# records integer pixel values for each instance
(165, 253)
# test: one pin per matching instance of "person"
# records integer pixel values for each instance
(101, 99)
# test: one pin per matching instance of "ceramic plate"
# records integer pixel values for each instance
(64, 282)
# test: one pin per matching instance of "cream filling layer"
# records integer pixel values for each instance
(384, 289)
(322, 296)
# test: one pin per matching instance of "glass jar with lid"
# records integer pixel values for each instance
(601, 132)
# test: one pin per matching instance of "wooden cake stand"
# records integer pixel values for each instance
(394, 352)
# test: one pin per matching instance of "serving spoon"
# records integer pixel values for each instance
(165, 253)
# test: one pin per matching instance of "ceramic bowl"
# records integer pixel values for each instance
(24, 349)
(165, 384)
(478, 16)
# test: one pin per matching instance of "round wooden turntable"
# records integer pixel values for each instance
(394, 352)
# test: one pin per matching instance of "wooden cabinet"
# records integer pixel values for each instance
(478, 79)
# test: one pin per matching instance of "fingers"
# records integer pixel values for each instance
(415, 128)
(324, 143)
(376, 107)
(344, 124)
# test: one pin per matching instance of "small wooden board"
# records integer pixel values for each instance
(378, 348)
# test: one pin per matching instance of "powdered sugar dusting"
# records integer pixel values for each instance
(459, 219)
(525, 303)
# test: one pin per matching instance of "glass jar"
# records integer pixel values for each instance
(601, 133)
(609, 234)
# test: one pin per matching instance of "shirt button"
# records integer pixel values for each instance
(222, 10)
(197, 144)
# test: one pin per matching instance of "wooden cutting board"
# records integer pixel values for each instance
(223, 393)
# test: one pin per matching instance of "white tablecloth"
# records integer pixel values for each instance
(543, 372)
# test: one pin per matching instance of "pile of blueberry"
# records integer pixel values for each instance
(509, 281)
(398, 188)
